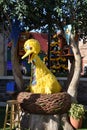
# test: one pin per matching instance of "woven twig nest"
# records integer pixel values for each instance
(57, 103)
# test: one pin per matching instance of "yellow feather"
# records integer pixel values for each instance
(46, 82)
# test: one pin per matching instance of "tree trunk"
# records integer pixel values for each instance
(45, 122)
(16, 69)
(70, 75)
(72, 88)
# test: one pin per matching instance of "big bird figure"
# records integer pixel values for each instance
(42, 80)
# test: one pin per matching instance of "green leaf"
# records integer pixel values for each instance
(1, 1)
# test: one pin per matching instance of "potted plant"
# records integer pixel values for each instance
(76, 114)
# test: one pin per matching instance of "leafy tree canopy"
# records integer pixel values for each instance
(37, 14)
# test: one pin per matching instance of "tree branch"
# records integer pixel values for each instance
(72, 89)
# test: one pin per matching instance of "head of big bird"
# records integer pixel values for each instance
(32, 48)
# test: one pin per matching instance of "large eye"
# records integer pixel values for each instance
(27, 47)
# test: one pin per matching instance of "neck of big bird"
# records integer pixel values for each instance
(40, 68)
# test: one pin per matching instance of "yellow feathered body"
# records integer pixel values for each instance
(45, 81)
